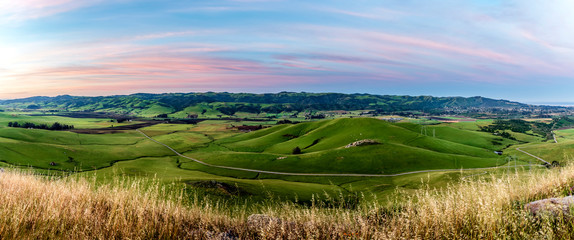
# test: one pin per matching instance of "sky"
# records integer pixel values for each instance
(521, 50)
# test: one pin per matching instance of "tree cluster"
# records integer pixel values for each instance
(521, 126)
(54, 126)
(515, 125)
(121, 120)
(230, 109)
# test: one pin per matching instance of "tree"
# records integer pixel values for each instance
(33, 106)
(227, 110)
(28, 125)
(555, 164)
(297, 150)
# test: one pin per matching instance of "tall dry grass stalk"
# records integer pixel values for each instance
(37, 208)
(491, 208)
(487, 208)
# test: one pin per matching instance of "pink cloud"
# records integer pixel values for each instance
(375, 14)
(163, 35)
(441, 46)
(303, 65)
(455, 55)
(140, 68)
(531, 37)
(105, 84)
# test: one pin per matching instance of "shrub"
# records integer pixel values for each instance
(297, 150)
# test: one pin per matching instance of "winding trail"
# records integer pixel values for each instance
(326, 174)
(554, 136)
(532, 155)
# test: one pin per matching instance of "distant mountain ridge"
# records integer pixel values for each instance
(228, 103)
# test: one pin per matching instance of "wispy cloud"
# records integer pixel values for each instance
(211, 45)
(255, 1)
(531, 37)
(21, 10)
(204, 9)
(216, 9)
(163, 35)
(376, 14)
(438, 52)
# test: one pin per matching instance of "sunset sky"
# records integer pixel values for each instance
(520, 50)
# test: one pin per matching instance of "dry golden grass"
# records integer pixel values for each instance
(36, 208)
(32, 207)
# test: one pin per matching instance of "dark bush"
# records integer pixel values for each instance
(297, 150)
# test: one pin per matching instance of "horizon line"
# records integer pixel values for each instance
(262, 93)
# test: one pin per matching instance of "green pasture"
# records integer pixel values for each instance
(462, 135)
(402, 148)
(79, 123)
(564, 135)
(75, 157)
(153, 110)
(166, 170)
(562, 152)
(472, 126)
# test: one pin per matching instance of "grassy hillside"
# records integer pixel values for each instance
(67, 150)
(402, 148)
(562, 152)
(470, 137)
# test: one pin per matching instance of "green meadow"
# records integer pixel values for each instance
(562, 152)
(323, 144)
(401, 148)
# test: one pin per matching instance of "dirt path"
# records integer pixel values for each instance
(554, 136)
(532, 155)
(322, 174)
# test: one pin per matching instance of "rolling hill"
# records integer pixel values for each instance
(212, 104)
(401, 148)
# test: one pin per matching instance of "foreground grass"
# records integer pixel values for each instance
(490, 207)
(35, 208)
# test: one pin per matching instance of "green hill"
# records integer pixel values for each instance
(323, 144)
(212, 104)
